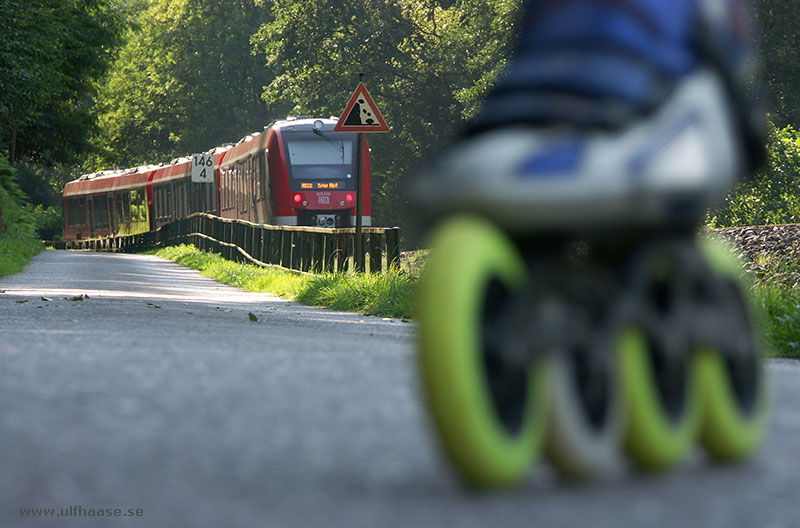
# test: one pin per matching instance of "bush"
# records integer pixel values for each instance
(770, 196)
(18, 238)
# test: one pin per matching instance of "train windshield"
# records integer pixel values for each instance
(315, 158)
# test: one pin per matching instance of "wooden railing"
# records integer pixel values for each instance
(304, 249)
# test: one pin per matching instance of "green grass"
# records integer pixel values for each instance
(387, 295)
(392, 294)
(780, 307)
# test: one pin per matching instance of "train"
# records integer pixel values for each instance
(297, 172)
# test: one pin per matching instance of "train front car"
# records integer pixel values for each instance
(313, 174)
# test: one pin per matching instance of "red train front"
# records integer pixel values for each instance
(297, 172)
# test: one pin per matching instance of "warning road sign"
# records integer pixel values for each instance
(361, 114)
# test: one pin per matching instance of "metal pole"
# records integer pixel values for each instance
(359, 256)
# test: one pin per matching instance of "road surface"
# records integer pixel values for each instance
(158, 396)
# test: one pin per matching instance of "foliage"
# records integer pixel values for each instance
(781, 318)
(771, 196)
(427, 64)
(51, 54)
(18, 240)
(780, 28)
(387, 295)
(185, 81)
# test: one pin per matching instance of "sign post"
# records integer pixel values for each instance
(361, 115)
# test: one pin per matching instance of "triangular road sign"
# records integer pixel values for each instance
(361, 114)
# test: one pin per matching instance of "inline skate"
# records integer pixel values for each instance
(569, 307)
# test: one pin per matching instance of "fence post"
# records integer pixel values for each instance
(393, 248)
(375, 252)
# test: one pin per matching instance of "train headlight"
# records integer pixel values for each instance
(342, 202)
(305, 203)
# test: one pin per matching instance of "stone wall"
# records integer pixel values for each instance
(769, 251)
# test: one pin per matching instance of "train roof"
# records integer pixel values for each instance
(109, 180)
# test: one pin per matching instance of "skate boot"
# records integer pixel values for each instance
(568, 307)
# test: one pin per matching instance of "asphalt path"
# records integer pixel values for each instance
(159, 396)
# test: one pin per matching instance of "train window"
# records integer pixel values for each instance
(243, 185)
(112, 217)
(90, 213)
(237, 186)
(251, 168)
(182, 210)
(263, 174)
(138, 213)
(229, 202)
(118, 216)
(101, 211)
(225, 186)
(320, 160)
(73, 211)
(126, 206)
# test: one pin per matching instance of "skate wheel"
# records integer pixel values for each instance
(658, 367)
(664, 408)
(734, 383)
(587, 414)
(490, 415)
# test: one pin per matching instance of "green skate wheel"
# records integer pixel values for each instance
(490, 415)
(735, 395)
(659, 371)
(664, 408)
(586, 426)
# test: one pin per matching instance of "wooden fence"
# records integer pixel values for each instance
(305, 249)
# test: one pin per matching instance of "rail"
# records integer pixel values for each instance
(302, 249)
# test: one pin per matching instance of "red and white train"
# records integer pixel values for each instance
(298, 171)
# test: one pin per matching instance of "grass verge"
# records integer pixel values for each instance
(392, 294)
(780, 307)
(386, 295)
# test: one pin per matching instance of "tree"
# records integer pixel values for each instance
(428, 64)
(51, 53)
(780, 30)
(771, 195)
(185, 81)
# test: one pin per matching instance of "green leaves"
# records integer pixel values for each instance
(772, 195)
(51, 53)
(185, 81)
(428, 64)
